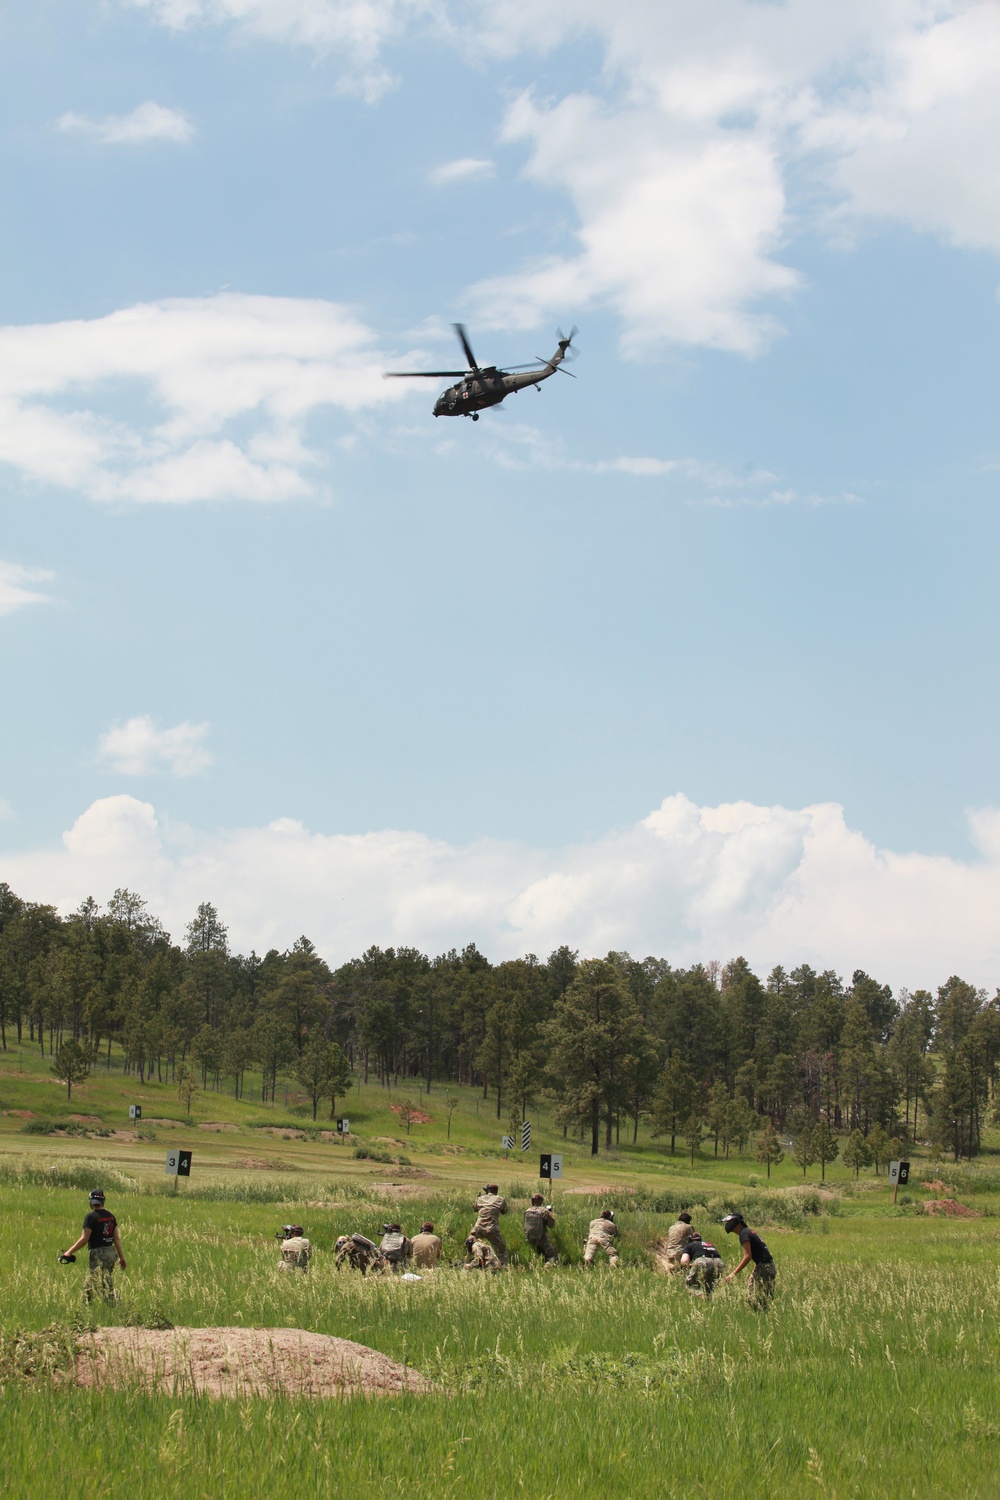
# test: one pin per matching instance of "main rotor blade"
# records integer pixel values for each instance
(463, 339)
(422, 374)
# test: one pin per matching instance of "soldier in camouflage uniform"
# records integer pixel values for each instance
(538, 1220)
(359, 1253)
(601, 1236)
(678, 1236)
(489, 1207)
(296, 1250)
(481, 1256)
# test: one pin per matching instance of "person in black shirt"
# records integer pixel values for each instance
(102, 1237)
(761, 1285)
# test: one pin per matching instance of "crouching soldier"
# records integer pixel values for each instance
(102, 1237)
(395, 1248)
(358, 1252)
(760, 1288)
(489, 1207)
(296, 1250)
(538, 1220)
(678, 1236)
(480, 1256)
(703, 1266)
(601, 1236)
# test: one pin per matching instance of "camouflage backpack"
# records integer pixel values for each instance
(393, 1246)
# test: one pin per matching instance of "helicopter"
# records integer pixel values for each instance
(484, 385)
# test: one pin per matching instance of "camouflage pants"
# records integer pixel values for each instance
(760, 1287)
(545, 1248)
(702, 1276)
(100, 1280)
(591, 1248)
(496, 1239)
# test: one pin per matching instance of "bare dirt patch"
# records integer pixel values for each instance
(216, 1125)
(283, 1132)
(259, 1164)
(937, 1186)
(398, 1189)
(20, 1114)
(240, 1362)
(951, 1209)
(168, 1124)
(417, 1117)
(86, 1119)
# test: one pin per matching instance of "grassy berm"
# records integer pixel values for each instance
(874, 1373)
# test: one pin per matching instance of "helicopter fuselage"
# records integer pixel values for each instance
(488, 387)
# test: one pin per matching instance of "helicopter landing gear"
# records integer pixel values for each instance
(475, 416)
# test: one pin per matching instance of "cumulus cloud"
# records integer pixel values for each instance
(13, 593)
(465, 169)
(147, 122)
(224, 387)
(686, 882)
(139, 748)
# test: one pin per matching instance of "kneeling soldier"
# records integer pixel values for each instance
(489, 1207)
(678, 1236)
(538, 1220)
(601, 1236)
(296, 1250)
(481, 1256)
(704, 1266)
(395, 1248)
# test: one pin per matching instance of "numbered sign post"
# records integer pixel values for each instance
(343, 1127)
(507, 1142)
(178, 1165)
(899, 1176)
(550, 1166)
(526, 1136)
(135, 1111)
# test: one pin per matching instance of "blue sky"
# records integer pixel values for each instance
(747, 557)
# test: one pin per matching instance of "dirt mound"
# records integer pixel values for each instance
(937, 1186)
(239, 1362)
(951, 1209)
(284, 1132)
(401, 1189)
(660, 1260)
(19, 1114)
(216, 1125)
(87, 1119)
(258, 1164)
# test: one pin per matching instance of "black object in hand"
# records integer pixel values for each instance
(67, 1260)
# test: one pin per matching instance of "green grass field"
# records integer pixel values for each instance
(874, 1373)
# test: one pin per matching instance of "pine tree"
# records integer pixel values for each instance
(768, 1149)
(803, 1148)
(857, 1153)
(826, 1146)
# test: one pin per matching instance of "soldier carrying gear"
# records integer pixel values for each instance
(601, 1236)
(538, 1220)
(703, 1265)
(395, 1247)
(489, 1207)
(481, 1255)
(359, 1252)
(296, 1250)
(678, 1236)
(101, 1235)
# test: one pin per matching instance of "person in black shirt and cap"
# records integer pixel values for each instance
(761, 1286)
(101, 1236)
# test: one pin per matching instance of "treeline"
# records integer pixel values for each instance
(606, 1042)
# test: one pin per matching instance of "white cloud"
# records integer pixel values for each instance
(13, 593)
(356, 30)
(465, 169)
(139, 748)
(147, 122)
(687, 882)
(225, 386)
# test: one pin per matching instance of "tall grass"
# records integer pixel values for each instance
(874, 1373)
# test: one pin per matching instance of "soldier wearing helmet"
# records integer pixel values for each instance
(103, 1239)
(538, 1220)
(601, 1236)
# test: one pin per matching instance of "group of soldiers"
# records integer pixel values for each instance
(686, 1250)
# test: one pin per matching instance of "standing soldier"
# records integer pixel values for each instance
(296, 1250)
(538, 1220)
(489, 1207)
(678, 1236)
(601, 1236)
(760, 1288)
(100, 1233)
